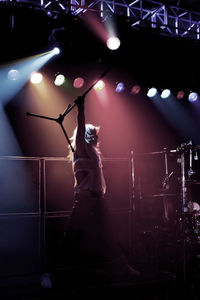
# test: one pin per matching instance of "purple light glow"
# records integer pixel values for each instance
(120, 87)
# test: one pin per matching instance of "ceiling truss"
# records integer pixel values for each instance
(161, 18)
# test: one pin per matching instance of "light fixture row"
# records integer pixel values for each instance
(78, 82)
(192, 96)
(61, 80)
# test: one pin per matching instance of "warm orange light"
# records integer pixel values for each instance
(36, 78)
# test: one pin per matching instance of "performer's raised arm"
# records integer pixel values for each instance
(80, 135)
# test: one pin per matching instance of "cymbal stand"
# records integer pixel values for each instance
(59, 120)
(132, 207)
(165, 183)
(184, 197)
(166, 186)
(190, 171)
(183, 182)
(183, 149)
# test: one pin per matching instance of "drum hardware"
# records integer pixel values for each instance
(152, 153)
(163, 195)
(192, 181)
(193, 207)
(182, 221)
(184, 147)
(190, 225)
(165, 182)
(190, 171)
(182, 150)
(196, 155)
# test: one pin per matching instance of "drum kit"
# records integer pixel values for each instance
(186, 156)
(167, 197)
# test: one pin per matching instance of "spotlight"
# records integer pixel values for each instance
(120, 87)
(36, 78)
(165, 93)
(59, 80)
(152, 92)
(99, 85)
(13, 74)
(135, 90)
(193, 97)
(56, 50)
(78, 82)
(180, 95)
(113, 43)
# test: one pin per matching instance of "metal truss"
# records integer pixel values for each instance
(162, 18)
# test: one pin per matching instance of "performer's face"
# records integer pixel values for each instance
(92, 140)
(91, 136)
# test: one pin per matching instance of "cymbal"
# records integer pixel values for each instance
(163, 195)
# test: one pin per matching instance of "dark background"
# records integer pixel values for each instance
(128, 123)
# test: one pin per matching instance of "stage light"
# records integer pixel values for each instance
(25, 66)
(36, 78)
(120, 87)
(180, 95)
(113, 43)
(152, 92)
(78, 82)
(135, 90)
(59, 80)
(13, 74)
(56, 51)
(99, 85)
(165, 93)
(193, 97)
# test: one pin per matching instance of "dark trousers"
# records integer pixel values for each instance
(90, 226)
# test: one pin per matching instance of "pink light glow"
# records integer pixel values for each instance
(78, 82)
(96, 26)
(135, 90)
(180, 95)
(111, 111)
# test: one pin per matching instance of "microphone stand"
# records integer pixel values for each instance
(61, 117)
(59, 120)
